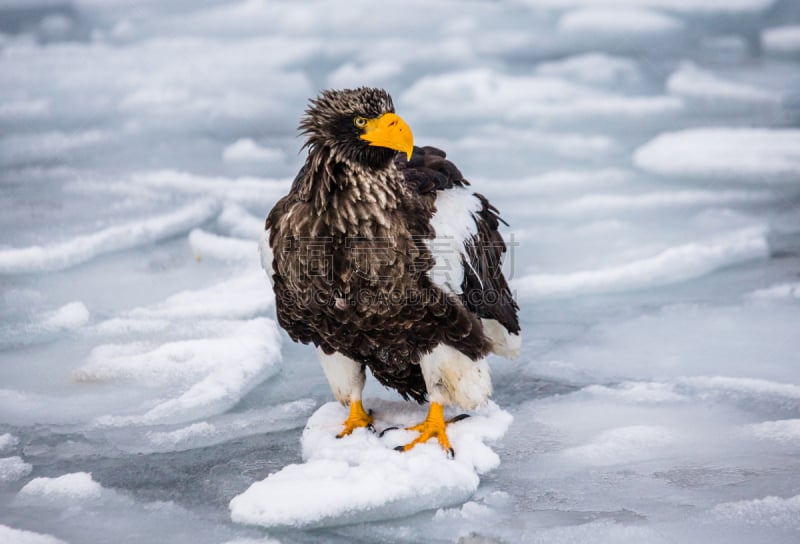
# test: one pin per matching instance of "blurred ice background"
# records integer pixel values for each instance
(645, 152)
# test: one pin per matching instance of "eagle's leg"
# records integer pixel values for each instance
(433, 427)
(357, 418)
(451, 378)
(346, 378)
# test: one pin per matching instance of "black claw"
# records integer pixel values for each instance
(451, 454)
(387, 429)
(371, 428)
(459, 417)
(400, 448)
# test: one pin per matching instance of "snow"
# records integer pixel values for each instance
(618, 22)
(783, 291)
(747, 154)
(671, 265)
(16, 536)
(76, 487)
(597, 68)
(70, 316)
(206, 375)
(71, 252)
(362, 478)
(488, 94)
(781, 39)
(13, 469)
(782, 431)
(643, 152)
(687, 6)
(246, 150)
(691, 81)
(7, 442)
(766, 512)
(224, 248)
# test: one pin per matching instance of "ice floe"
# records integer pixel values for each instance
(362, 478)
(781, 39)
(675, 264)
(223, 248)
(752, 155)
(680, 6)
(692, 82)
(18, 536)
(245, 294)
(70, 316)
(7, 442)
(246, 150)
(593, 68)
(67, 253)
(204, 375)
(785, 431)
(624, 24)
(13, 468)
(489, 94)
(77, 486)
(622, 445)
(768, 512)
(212, 431)
(782, 291)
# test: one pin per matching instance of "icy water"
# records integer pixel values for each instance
(646, 155)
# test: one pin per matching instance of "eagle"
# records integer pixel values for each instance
(382, 257)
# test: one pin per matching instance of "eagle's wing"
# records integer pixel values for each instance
(468, 248)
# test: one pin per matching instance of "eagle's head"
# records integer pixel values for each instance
(357, 124)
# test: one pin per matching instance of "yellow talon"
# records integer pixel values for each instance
(433, 427)
(357, 418)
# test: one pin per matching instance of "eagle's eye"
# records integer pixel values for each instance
(360, 122)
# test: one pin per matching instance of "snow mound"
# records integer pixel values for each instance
(68, 253)
(18, 536)
(361, 478)
(672, 265)
(13, 468)
(76, 486)
(731, 154)
(784, 40)
(692, 82)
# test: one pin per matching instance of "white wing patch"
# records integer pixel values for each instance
(454, 224)
(266, 253)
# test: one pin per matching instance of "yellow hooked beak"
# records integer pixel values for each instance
(389, 130)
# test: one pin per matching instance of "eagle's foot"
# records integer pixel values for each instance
(434, 426)
(357, 418)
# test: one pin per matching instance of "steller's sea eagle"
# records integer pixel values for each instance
(384, 259)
